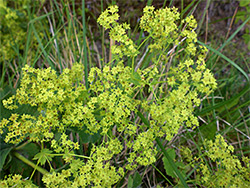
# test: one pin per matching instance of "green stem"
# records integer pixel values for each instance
(72, 154)
(21, 146)
(133, 64)
(28, 162)
(143, 42)
(162, 175)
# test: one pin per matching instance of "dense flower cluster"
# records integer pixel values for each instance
(114, 97)
(124, 45)
(97, 171)
(16, 180)
(58, 99)
(10, 23)
(13, 29)
(116, 94)
(229, 172)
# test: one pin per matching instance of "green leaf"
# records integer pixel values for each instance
(171, 153)
(4, 152)
(130, 182)
(168, 168)
(16, 166)
(244, 3)
(135, 181)
(43, 156)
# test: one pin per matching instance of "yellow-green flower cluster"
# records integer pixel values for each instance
(229, 172)
(114, 97)
(16, 181)
(143, 150)
(124, 45)
(96, 172)
(13, 27)
(161, 26)
(173, 111)
(19, 127)
(185, 81)
(59, 101)
(64, 145)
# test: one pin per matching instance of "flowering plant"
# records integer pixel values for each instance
(14, 26)
(127, 107)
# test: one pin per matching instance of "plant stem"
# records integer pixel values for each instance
(21, 146)
(28, 162)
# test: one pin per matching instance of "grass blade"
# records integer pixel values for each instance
(84, 45)
(233, 35)
(226, 58)
(221, 104)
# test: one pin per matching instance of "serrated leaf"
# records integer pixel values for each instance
(5, 149)
(43, 156)
(168, 168)
(171, 153)
(170, 171)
